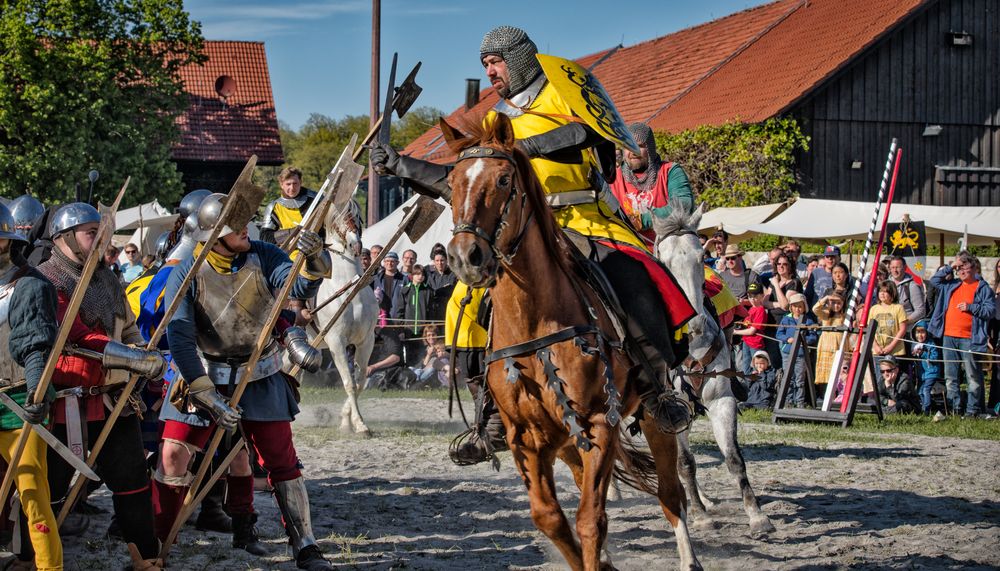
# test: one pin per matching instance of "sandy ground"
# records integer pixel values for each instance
(395, 501)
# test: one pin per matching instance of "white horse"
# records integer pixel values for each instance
(356, 327)
(679, 249)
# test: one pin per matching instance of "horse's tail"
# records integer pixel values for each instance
(635, 467)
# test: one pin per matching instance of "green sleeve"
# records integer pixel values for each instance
(33, 327)
(679, 188)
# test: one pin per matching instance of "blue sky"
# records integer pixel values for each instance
(319, 52)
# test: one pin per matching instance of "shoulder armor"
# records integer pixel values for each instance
(268, 222)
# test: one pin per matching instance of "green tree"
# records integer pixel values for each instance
(738, 164)
(92, 84)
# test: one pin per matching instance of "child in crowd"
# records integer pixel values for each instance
(760, 386)
(433, 373)
(410, 310)
(898, 394)
(829, 310)
(753, 326)
(787, 330)
(926, 370)
(891, 321)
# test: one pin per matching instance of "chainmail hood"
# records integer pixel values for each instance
(105, 297)
(517, 49)
(643, 135)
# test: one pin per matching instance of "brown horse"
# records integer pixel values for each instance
(556, 371)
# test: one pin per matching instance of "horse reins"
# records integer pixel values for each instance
(480, 152)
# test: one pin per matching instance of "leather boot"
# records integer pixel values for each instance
(245, 534)
(487, 437)
(140, 564)
(293, 501)
(212, 517)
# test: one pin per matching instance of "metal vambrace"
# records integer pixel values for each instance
(300, 352)
(293, 501)
(148, 364)
(204, 397)
(562, 144)
(427, 178)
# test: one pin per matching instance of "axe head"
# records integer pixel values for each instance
(352, 173)
(243, 200)
(407, 93)
(428, 212)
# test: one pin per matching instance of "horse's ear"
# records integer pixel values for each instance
(503, 131)
(452, 136)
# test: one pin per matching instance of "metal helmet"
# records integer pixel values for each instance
(7, 229)
(192, 201)
(71, 216)
(163, 245)
(208, 216)
(25, 209)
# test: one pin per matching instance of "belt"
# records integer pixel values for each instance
(572, 197)
(220, 371)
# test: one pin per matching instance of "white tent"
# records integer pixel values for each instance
(813, 219)
(736, 220)
(439, 233)
(145, 222)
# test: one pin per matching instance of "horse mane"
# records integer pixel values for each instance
(678, 220)
(482, 131)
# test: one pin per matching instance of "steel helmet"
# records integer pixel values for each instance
(73, 215)
(163, 245)
(7, 229)
(192, 201)
(25, 209)
(208, 216)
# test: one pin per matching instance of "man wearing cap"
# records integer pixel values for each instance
(736, 275)
(211, 339)
(105, 325)
(286, 211)
(821, 278)
(573, 163)
(27, 333)
(645, 185)
(388, 281)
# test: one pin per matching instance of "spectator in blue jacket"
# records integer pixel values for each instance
(760, 386)
(962, 311)
(787, 330)
(927, 367)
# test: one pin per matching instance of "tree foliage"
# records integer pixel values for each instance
(738, 164)
(315, 147)
(92, 84)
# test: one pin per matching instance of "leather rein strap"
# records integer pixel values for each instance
(535, 344)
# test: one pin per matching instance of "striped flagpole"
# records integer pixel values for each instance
(838, 357)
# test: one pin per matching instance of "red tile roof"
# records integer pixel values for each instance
(230, 130)
(749, 66)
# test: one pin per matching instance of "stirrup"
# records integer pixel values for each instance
(671, 414)
(470, 448)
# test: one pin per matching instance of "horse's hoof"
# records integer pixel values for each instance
(703, 522)
(761, 527)
(364, 433)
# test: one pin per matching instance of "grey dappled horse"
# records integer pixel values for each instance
(679, 249)
(356, 327)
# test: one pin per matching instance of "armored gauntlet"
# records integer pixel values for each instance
(300, 352)
(148, 364)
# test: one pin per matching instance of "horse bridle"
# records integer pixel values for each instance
(480, 152)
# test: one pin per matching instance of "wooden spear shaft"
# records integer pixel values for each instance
(104, 233)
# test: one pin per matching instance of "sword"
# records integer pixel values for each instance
(53, 442)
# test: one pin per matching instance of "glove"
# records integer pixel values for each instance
(300, 352)
(205, 398)
(36, 413)
(311, 246)
(149, 364)
(382, 158)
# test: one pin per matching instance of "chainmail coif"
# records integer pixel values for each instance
(518, 51)
(643, 135)
(105, 296)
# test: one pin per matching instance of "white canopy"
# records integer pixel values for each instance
(735, 220)
(152, 214)
(814, 219)
(439, 233)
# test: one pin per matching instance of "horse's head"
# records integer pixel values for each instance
(678, 247)
(343, 228)
(487, 200)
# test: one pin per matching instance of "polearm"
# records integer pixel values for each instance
(262, 341)
(104, 232)
(863, 321)
(852, 304)
(157, 334)
(360, 283)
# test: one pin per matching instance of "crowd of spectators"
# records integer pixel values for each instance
(932, 335)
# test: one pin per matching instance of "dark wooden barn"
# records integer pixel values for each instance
(856, 73)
